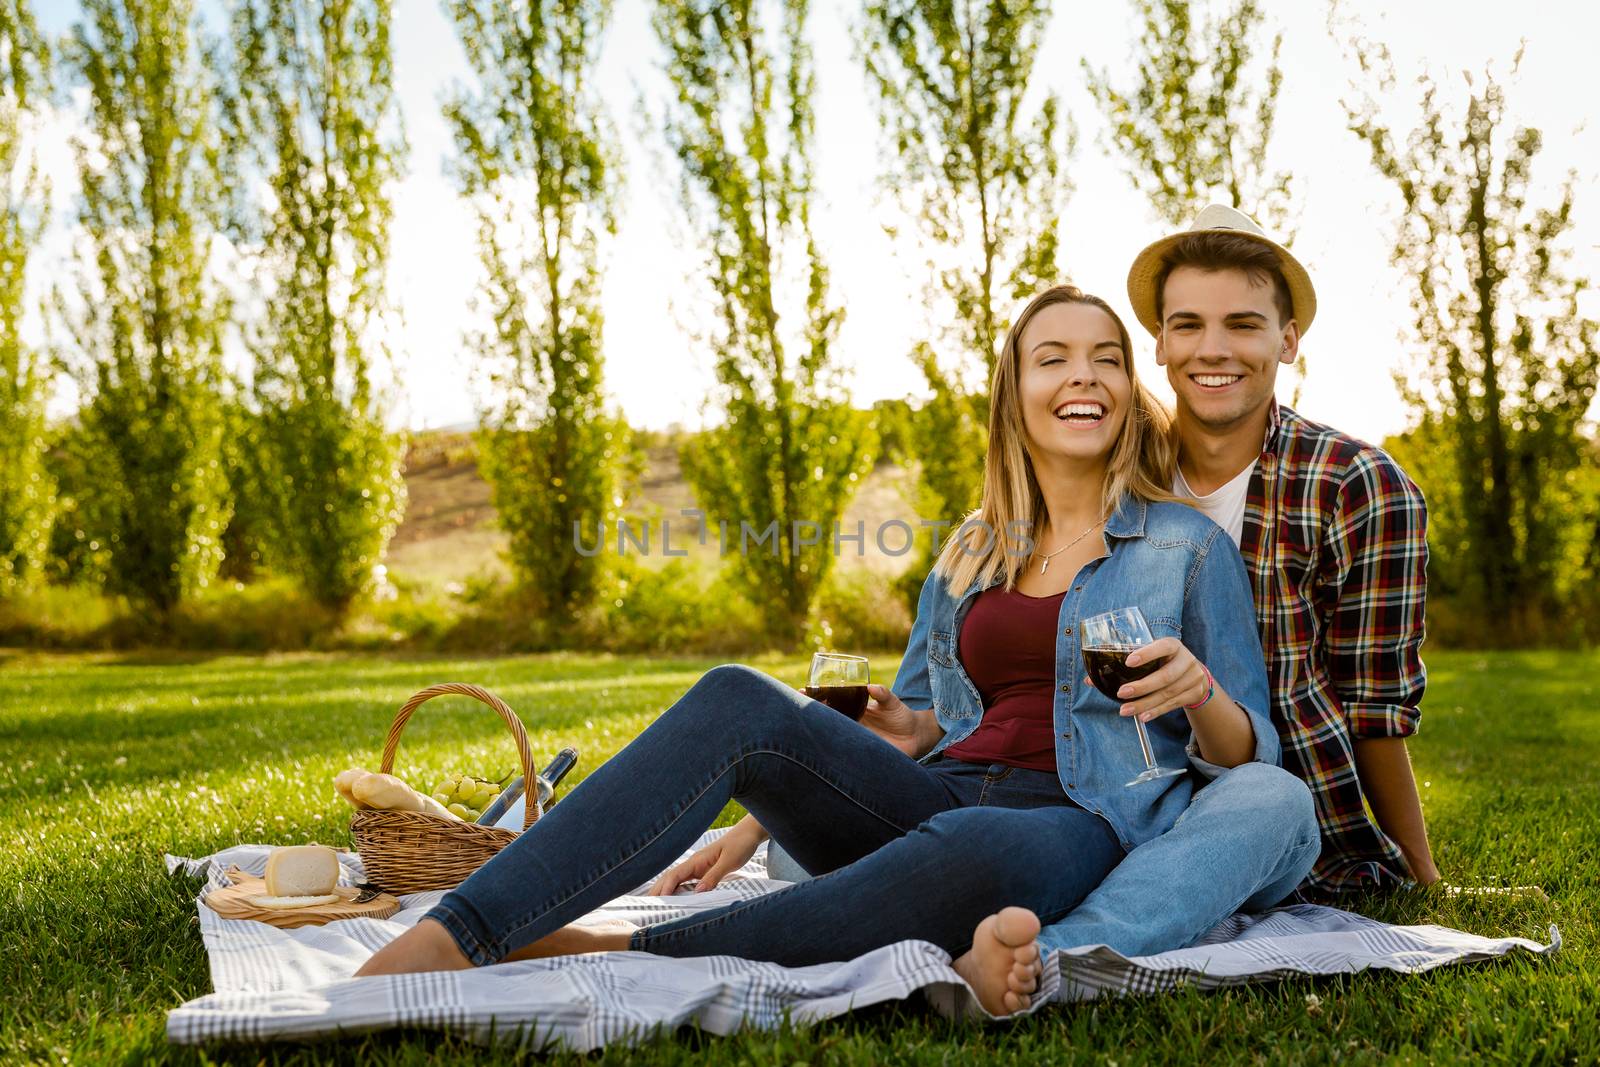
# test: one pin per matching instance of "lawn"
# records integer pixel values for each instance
(110, 761)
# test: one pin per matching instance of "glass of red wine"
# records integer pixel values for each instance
(1107, 640)
(840, 682)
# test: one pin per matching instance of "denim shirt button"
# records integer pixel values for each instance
(1067, 734)
(1069, 631)
(1065, 688)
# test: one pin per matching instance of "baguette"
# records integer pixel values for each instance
(344, 780)
(388, 793)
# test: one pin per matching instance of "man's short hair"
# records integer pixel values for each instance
(1214, 250)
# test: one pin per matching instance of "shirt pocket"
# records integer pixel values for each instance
(951, 699)
(1165, 626)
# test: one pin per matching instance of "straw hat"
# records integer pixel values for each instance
(1148, 264)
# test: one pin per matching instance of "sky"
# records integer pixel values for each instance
(658, 376)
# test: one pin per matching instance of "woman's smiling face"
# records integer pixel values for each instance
(1074, 384)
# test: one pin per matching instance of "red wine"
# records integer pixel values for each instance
(848, 700)
(1109, 671)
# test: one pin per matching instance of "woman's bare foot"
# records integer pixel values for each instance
(609, 935)
(427, 946)
(1002, 966)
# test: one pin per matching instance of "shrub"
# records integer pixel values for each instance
(859, 609)
(58, 616)
(679, 608)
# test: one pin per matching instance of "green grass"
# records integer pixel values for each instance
(108, 761)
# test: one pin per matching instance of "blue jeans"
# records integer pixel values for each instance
(1243, 844)
(901, 850)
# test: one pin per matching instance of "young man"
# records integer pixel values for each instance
(1334, 536)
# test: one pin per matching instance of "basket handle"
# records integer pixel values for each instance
(392, 743)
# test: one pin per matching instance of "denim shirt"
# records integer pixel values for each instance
(1185, 574)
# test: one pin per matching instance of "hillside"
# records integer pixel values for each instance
(449, 536)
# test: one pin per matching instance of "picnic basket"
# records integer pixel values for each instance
(413, 852)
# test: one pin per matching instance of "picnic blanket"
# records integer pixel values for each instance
(278, 984)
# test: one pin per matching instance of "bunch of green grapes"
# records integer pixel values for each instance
(466, 795)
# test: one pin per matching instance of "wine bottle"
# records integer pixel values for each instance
(508, 808)
(554, 771)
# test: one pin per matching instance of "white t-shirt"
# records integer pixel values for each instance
(1225, 507)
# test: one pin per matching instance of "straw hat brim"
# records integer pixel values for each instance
(1142, 279)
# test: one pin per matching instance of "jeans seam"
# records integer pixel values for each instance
(989, 780)
(529, 917)
(468, 942)
(724, 914)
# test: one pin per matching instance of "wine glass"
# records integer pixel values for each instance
(1108, 638)
(839, 681)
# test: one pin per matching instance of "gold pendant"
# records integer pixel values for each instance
(1045, 565)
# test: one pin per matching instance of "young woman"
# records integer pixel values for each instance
(992, 775)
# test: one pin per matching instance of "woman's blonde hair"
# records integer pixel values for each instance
(987, 543)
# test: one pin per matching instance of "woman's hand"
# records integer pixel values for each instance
(1222, 729)
(727, 853)
(891, 720)
(1179, 681)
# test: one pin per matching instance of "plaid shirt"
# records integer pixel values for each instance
(1335, 538)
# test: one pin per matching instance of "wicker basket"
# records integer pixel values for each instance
(411, 852)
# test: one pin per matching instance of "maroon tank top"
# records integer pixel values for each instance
(1008, 647)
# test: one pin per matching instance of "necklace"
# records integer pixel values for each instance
(1047, 556)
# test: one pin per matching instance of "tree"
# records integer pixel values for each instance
(1195, 127)
(536, 157)
(80, 549)
(311, 104)
(985, 188)
(26, 496)
(790, 452)
(146, 330)
(1506, 366)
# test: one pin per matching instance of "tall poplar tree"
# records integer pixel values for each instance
(312, 109)
(1195, 126)
(146, 329)
(536, 157)
(26, 497)
(983, 179)
(1506, 365)
(790, 453)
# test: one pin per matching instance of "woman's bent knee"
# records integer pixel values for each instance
(731, 682)
(733, 676)
(734, 692)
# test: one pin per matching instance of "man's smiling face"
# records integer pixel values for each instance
(1221, 342)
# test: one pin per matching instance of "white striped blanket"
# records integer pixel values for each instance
(275, 984)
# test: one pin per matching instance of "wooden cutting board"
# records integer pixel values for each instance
(234, 903)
